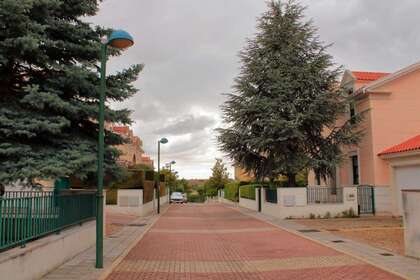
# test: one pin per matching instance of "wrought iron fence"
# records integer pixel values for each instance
(324, 195)
(29, 215)
(271, 195)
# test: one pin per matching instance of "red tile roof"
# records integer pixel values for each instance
(368, 76)
(121, 129)
(406, 146)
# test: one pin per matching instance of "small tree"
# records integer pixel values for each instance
(219, 177)
(281, 119)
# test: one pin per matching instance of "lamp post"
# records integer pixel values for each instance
(169, 164)
(118, 39)
(161, 141)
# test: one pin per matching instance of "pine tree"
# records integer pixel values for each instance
(281, 118)
(49, 90)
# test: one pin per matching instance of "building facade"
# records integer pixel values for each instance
(132, 152)
(390, 104)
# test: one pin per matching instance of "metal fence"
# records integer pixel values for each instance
(271, 195)
(29, 215)
(317, 195)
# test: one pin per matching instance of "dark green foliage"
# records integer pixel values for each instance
(281, 118)
(150, 175)
(248, 191)
(133, 180)
(197, 198)
(49, 89)
(231, 191)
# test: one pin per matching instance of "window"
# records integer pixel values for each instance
(355, 169)
(352, 112)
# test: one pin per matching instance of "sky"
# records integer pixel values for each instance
(190, 52)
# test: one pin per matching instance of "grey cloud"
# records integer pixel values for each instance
(189, 48)
(186, 124)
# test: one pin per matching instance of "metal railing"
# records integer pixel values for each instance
(271, 195)
(30, 215)
(320, 195)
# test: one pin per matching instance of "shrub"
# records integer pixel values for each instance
(195, 198)
(327, 215)
(231, 191)
(312, 216)
(349, 213)
(248, 191)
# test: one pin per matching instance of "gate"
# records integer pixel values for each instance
(366, 199)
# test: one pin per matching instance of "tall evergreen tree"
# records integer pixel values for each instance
(49, 90)
(281, 118)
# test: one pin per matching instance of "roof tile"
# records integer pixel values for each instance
(406, 146)
(368, 76)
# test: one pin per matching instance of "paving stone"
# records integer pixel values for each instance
(212, 241)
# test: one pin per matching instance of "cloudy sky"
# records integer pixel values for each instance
(189, 48)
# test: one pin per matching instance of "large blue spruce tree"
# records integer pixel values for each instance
(281, 119)
(49, 89)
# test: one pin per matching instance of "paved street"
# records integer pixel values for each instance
(213, 241)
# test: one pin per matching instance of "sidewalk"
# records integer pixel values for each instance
(82, 267)
(405, 266)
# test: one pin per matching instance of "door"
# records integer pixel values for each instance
(406, 177)
(366, 199)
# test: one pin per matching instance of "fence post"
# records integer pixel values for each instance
(373, 200)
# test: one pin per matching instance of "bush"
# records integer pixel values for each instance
(248, 191)
(195, 198)
(133, 180)
(327, 215)
(231, 191)
(349, 213)
(312, 216)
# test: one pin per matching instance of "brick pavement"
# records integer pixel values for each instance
(212, 241)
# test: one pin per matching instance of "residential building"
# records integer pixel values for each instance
(390, 103)
(131, 152)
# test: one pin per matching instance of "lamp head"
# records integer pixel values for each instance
(173, 162)
(120, 39)
(163, 140)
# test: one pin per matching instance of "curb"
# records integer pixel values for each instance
(120, 258)
(323, 244)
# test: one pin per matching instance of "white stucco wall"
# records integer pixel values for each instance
(249, 203)
(292, 203)
(411, 208)
(43, 255)
(383, 202)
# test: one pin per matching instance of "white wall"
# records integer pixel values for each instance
(249, 203)
(292, 203)
(383, 202)
(130, 201)
(411, 207)
(43, 255)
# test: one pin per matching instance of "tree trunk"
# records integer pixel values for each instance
(291, 180)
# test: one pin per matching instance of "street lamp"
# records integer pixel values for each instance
(119, 39)
(161, 141)
(169, 164)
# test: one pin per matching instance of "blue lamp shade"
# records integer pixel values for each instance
(163, 140)
(120, 39)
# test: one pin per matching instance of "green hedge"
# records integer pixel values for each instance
(195, 198)
(231, 191)
(248, 191)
